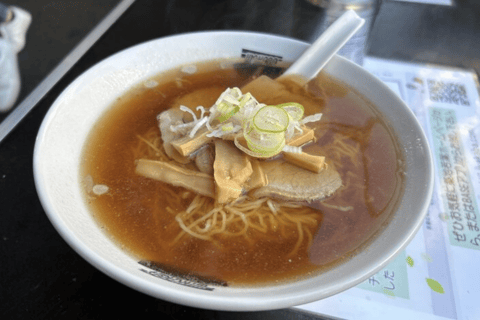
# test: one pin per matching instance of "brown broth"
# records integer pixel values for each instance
(125, 211)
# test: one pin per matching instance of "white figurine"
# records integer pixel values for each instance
(13, 28)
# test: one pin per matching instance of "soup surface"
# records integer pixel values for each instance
(139, 213)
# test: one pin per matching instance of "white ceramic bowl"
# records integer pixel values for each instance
(69, 120)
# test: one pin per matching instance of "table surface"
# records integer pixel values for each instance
(41, 276)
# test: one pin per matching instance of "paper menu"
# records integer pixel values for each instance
(436, 277)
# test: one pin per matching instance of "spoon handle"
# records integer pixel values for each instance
(326, 46)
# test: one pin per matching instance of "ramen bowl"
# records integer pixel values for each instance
(58, 157)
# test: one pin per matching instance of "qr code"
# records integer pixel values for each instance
(448, 92)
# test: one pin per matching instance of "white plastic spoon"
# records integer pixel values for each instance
(326, 46)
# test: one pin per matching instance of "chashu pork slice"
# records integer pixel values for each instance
(166, 119)
(289, 182)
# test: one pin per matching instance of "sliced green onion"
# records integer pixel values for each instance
(267, 144)
(269, 151)
(271, 119)
(227, 127)
(294, 110)
(235, 93)
(256, 154)
(246, 97)
(265, 128)
(227, 110)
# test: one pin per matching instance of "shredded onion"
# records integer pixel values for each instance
(312, 118)
(197, 126)
(292, 149)
(187, 109)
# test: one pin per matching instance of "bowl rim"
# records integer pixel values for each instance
(197, 298)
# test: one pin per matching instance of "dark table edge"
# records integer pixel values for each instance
(14, 118)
